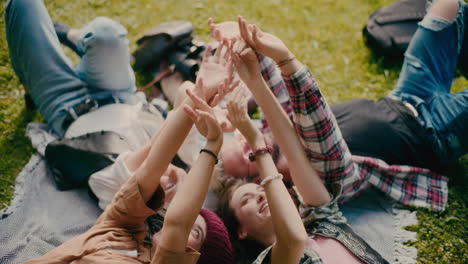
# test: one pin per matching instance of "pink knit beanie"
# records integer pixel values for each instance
(217, 248)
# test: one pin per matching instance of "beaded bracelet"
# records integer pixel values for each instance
(268, 179)
(210, 153)
(259, 151)
(285, 61)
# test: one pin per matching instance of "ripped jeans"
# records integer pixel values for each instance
(426, 78)
(40, 63)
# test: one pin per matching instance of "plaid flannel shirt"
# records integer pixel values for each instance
(316, 125)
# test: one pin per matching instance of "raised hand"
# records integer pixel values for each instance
(237, 114)
(264, 43)
(221, 116)
(216, 72)
(203, 116)
(228, 30)
(245, 62)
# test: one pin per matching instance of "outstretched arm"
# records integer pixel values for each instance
(187, 202)
(229, 30)
(162, 150)
(303, 175)
(287, 224)
(135, 159)
(218, 71)
(313, 119)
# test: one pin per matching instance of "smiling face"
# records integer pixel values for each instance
(251, 209)
(169, 182)
(235, 155)
(197, 235)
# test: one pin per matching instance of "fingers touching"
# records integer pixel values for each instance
(244, 31)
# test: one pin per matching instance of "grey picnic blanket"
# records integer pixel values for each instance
(40, 217)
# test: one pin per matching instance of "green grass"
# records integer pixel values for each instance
(326, 35)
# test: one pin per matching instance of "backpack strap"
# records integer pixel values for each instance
(392, 18)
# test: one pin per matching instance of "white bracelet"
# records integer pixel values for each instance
(268, 179)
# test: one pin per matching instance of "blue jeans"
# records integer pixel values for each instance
(41, 65)
(425, 81)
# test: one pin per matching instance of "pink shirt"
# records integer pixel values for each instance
(331, 251)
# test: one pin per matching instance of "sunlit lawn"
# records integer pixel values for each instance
(325, 35)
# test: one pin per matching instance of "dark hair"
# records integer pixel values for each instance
(246, 250)
(154, 224)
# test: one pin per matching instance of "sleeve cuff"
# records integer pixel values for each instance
(128, 206)
(329, 211)
(163, 255)
(303, 71)
(295, 81)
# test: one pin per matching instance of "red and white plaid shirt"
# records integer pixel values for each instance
(316, 125)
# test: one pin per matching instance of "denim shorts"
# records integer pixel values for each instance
(42, 66)
(426, 78)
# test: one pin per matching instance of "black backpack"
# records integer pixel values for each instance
(389, 29)
(73, 160)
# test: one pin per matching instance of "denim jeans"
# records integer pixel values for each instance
(426, 78)
(41, 65)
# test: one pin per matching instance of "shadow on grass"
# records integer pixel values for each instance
(15, 150)
(385, 62)
(458, 174)
(381, 62)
